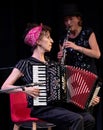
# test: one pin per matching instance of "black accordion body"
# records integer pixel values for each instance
(51, 88)
(64, 84)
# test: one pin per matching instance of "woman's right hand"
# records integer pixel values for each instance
(32, 91)
(60, 53)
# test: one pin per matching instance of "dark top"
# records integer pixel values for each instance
(77, 59)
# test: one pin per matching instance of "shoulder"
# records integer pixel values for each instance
(87, 31)
(22, 61)
(50, 61)
(24, 64)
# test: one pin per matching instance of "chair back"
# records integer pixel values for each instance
(18, 107)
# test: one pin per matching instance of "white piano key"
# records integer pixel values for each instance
(39, 75)
(42, 94)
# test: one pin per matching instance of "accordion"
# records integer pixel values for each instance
(64, 84)
(82, 86)
(50, 78)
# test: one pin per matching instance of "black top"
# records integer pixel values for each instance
(78, 59)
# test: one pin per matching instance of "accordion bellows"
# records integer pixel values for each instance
(81, 85)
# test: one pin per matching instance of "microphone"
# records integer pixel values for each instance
(27, 85)
(33, 84)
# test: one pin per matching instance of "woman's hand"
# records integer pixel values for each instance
(70, 44)
(95, 100)
(32, 91)
(60, 53)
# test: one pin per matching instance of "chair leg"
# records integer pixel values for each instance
(49, 128)
(16, 127)
(34, 126)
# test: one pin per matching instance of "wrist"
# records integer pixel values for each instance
(80, 49)
(23, 88)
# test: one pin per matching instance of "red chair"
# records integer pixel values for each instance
(21, 114)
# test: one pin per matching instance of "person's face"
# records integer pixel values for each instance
(72, 22)
(46, 42)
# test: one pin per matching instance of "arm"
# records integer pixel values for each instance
(94, 50)
(13, 77)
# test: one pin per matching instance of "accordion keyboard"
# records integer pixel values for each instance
(39, 76)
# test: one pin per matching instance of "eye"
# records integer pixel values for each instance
(48, 36)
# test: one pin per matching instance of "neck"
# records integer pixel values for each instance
(39, 55)
(75, 32)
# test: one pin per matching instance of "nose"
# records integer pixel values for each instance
(68, 22)
(51, 40)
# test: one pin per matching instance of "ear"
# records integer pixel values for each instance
(38, 43)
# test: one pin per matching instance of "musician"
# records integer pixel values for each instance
(38, 37)
(81, 45)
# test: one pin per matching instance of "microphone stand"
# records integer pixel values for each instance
(27, 85)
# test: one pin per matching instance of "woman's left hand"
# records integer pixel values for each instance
(95, 100)
(70, 44)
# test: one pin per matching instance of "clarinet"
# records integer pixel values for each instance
(63, 64)
(64, 49)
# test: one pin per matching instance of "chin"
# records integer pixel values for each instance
(48, 50)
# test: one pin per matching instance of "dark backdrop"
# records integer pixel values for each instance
(13, 18)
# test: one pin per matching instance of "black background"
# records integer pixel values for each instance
(13, 18)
